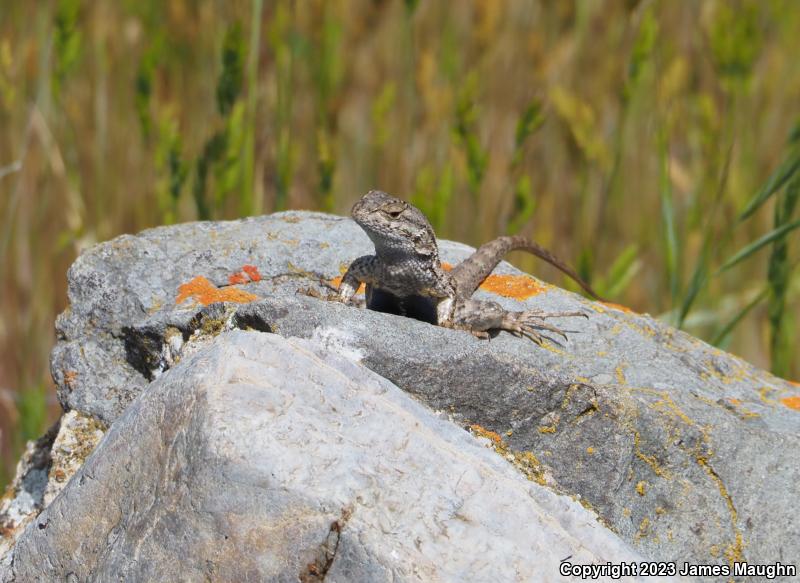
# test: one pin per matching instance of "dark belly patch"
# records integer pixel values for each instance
(417, 307)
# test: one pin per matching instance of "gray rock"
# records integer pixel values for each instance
(688, 453)
(262, 459)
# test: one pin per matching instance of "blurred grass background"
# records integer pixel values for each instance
(653, 144)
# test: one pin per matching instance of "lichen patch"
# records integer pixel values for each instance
(525, 461)
(619, 307)
(77, 437)
(792, 402)
(517, 287)
(205, 293)
(247, 274)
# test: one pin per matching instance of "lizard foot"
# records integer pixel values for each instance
(328, 295)
(325, 295)
(528, 324)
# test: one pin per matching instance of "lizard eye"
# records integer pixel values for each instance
(394, 210)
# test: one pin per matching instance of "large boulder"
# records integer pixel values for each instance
(688, 453)
(264, 459)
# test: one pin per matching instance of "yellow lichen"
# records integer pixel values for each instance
(619, 372)
(650, 460)
(734, 550)
(483, 432)
(644, 526)
(525, 461)
(549, 347)
(764, 393)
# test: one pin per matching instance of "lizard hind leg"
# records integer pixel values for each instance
(480, 316)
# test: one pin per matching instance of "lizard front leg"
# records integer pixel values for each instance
(362, 270)
(479, 317)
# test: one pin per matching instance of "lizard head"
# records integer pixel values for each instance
(394, 225)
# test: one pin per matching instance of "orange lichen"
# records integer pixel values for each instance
(447, 266)
(518, 287)
(70, 378)
(247, 274)
(792, 402)
(252, 272)
(237, 278)
(205, 292)
(619, 307)
(734, 401)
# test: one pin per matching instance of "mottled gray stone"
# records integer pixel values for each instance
(263, 459)
(689, 453)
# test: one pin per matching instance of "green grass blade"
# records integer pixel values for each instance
(668, 222)
(524, 204)
(778, 276)
(784, 172)
(251, 202)
(231, 80)
(530, 121)
(466, 133)
(772, 236)
(728, 328)
(32, 408)
(621, 272)
(700, 274)
(696, 284)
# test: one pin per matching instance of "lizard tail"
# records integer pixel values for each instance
(472, 271)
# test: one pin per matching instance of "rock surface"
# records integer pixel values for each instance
(43, 471)
(264, 459)
(689, 453)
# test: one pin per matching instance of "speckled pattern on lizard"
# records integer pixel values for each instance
(406, 277)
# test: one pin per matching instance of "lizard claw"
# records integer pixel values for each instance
(528, 324)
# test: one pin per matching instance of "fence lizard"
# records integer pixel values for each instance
(405, 275)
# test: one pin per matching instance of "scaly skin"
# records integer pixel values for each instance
(405, 275)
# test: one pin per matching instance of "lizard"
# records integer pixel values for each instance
(405, 275)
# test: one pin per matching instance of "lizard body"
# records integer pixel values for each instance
(405, 275)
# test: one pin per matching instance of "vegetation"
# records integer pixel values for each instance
(655, 144)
